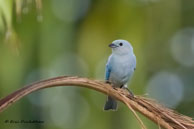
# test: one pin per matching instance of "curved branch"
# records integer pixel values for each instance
(159, 114)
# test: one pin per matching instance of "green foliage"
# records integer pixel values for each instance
(6, 8)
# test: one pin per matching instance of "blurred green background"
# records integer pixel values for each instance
(71, 37)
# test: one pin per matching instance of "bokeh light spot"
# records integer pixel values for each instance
(70, 10)
(66, 107)
(167, 88)
(182, 47)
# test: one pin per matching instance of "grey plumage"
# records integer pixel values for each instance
(119, 68)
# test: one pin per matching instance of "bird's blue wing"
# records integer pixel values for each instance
(108, 69)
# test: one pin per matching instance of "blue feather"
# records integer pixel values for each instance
(108, 71)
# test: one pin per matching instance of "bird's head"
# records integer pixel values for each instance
(121, 47)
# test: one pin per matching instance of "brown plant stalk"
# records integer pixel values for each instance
(164, 117)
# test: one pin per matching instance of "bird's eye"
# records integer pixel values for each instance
(121, 44)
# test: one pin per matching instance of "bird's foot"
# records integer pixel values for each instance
(115, 88)
(131, 95)
(108, 82)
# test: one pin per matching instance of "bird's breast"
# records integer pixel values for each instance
(121, 71)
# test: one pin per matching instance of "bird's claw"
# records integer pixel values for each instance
(131, 95)
(114, 88)
(108, 82)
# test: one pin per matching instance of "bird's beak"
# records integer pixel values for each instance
(112, 45)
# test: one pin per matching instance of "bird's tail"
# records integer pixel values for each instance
(110, 104)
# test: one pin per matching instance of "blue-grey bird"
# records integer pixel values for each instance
(120, 67)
